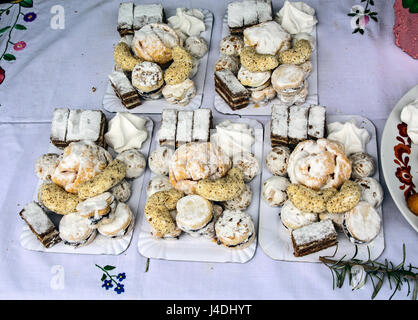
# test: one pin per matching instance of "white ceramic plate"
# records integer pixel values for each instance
(265, 109)
(112, 103)
(187, 248)
(274, 237)
(400, 158)
(101, 244)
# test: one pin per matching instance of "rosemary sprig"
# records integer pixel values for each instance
(375, 271)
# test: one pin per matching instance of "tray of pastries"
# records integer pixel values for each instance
(202, 192)
(160, 59)
(266, 58)
(320, 192)
(90, 182)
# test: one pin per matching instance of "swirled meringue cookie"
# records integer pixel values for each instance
(196, 46)
(46, 165)
(135, 162)
(248, 164)
(241, 202)
(353, 138)
(159, 160)
(362, 165)
(180, 93)
(267, 37)
(409, 115)
(292, 218)
(273, 191)
(277, 160)
(231, 63)
(231, 45)
(122, 191)
(158, 183)
(296, 17)
(188, 21)
(371, 191)
(253, 79)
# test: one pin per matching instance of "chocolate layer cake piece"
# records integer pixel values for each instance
(202, 121)
(124, 89)
(184, 127)
(279, 125)
(244, 14)
(126, 19)
(316, 122)
(59, 127)
(75, 125)
(313, 238)
(40, 224)
(231, 90)
(147, 13)
(298, 124)
(86, 125)
(167, 132)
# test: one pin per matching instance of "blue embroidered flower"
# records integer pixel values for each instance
(29, 17)
(121, 276)
(107, 284)
(119, 288)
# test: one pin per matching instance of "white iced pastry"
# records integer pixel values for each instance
(233, 137)
(267, 37)
(158, 183)
(296, 17)
(196, 46)
(188, 21)
(126, 131)
(371, 191)
(122, 191)
(362, 165)
(409, 115)
(362, 223)
(242, 201)
(292, 218)
(253, 79)
(273, 191)
(135, 162)
(353, 138)
(180, 93)
(277, 159)
(46, 165)
(336, 218)
(159, 160)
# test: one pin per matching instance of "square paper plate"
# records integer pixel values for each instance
(100, 244)
(187, 248)
(265, 110)
(274, 237)
(112, 103)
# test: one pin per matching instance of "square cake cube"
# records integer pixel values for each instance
(184, 127)
(124, 89)
(125, 18)
(147, 13)
(316, 122)
(59, 127)
(298, 124)
(202, 120)
(167, 132)
(279, 125)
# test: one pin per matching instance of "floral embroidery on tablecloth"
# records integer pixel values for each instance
(6, 32)
(112, 281)
(360, 16)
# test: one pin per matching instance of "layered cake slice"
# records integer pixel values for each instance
(167, 132)
(243, 14)
(202, 120)
(279, 125)
(86, 125)
(298, 124)
(316, 122)
(126, 18)
(59, 127)
(147, 13)
(314, 237)
(124, 89)
(231, 90)
(40, 224)
(184, 127)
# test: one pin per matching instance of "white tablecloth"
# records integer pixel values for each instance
(357, 74)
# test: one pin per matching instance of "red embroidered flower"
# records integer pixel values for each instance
(2, 75)
(19, 45)
(404, 175)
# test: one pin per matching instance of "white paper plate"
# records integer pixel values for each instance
(101, 244)
(187, 248)
(112, 103)
(392, 139)
(275, 239)
(265, 109)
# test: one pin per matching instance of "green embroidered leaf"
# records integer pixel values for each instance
(371, 2)
(26, 3)
(351, 14)
(104, 276)
(356, 30)
(374, 18)
(361, 31)
(407, 3)
(414, 8)
(4, 29)
(20, 27)
(7, 12)
(108, 268)
(9, 57)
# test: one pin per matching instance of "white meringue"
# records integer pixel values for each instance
(189, 22)
(409, 115)
(353, 138)
(296, 17)
(126, 131)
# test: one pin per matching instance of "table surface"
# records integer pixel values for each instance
(358, 74)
